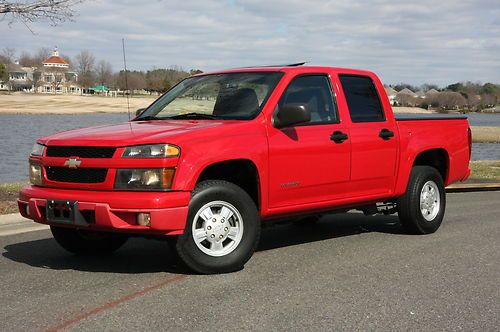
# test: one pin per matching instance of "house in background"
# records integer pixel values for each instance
(54, 76)
(391, 94)
(20, 78)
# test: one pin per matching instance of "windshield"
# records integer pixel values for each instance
(231, 96)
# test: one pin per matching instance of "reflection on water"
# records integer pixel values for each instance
(19, 132)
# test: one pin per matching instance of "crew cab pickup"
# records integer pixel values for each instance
(220, 154)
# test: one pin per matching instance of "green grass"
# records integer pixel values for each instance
(485, 169)
(8, 196)
(485, 134)
(11, 187)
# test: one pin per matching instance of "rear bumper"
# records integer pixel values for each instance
(113, 210)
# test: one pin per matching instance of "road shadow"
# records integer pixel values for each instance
(140, 255)
(328, 227)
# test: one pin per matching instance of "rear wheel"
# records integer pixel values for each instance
(222, 230)
(83, 242)
(421, 209)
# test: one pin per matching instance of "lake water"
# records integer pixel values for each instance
(19, 132)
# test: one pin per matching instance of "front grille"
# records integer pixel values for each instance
(79, 175)
(80, 151)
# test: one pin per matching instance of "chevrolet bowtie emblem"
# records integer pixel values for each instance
(72, 163)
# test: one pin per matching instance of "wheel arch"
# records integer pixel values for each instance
(437, 158)
(241, 172)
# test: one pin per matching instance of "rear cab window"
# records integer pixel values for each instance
(362, 98)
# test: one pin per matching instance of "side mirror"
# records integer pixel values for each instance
(291, 114)
(139, 111)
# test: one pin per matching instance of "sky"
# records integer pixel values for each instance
(437, 41)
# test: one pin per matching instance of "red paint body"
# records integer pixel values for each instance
(364, 169)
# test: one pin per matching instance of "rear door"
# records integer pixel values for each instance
(374, 140)
(306, 164)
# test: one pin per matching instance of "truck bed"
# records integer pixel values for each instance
(411, 117)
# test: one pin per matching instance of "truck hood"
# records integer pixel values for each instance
(133, 133)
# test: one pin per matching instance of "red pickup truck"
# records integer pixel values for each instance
(220, 153)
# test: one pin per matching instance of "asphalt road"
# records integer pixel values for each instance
(348, 272)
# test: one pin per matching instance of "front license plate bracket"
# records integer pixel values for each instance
(64, 212)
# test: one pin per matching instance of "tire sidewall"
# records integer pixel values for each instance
(423, 175)
(227, 192)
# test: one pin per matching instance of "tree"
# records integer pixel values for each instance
(451, 100)
(406, 99)
(37, 80)
(135, 80)
(429, 86)
(490, 88)
(195, 72)
(401, 86)
(104, 73)
(84, 64)
(8, 55)
(4, 73)
(56, 11)
(456, 87)
(58, 78)
(158, 80)
(42, 54)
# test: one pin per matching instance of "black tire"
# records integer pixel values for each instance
(410, 215)
(206, 193)
(83, 242)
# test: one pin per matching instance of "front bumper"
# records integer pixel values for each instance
(113, 210)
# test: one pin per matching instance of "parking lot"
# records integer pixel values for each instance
(348, 272)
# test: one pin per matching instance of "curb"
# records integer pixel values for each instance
(12, 218)
(14, 223)
(472, 187)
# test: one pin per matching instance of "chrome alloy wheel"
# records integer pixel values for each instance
(217, 228)
(430, 201)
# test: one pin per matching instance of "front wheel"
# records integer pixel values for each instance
(421, 208)
(222, 230)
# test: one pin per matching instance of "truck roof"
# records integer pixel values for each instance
(293, 69)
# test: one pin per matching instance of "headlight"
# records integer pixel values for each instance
(144, 179)
(35, 174)
(151, 151)
(37, 149)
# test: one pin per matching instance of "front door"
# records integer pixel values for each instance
(309, 162)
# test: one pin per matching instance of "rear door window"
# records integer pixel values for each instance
(362, 99)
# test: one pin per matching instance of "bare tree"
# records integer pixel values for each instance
(406, 99)
(56, 11)
(136, 80)
(84, 65)
(156, 80)
(451, 100)
(37, 80)
(58, 78)
(8, 54)
(104, 72)
(41, 55)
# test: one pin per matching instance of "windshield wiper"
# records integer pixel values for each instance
(194, 115)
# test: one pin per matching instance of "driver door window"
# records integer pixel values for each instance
(315, 92)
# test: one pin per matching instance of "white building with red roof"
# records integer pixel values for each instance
(56, 77)
(53, 76)
(55, 61)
